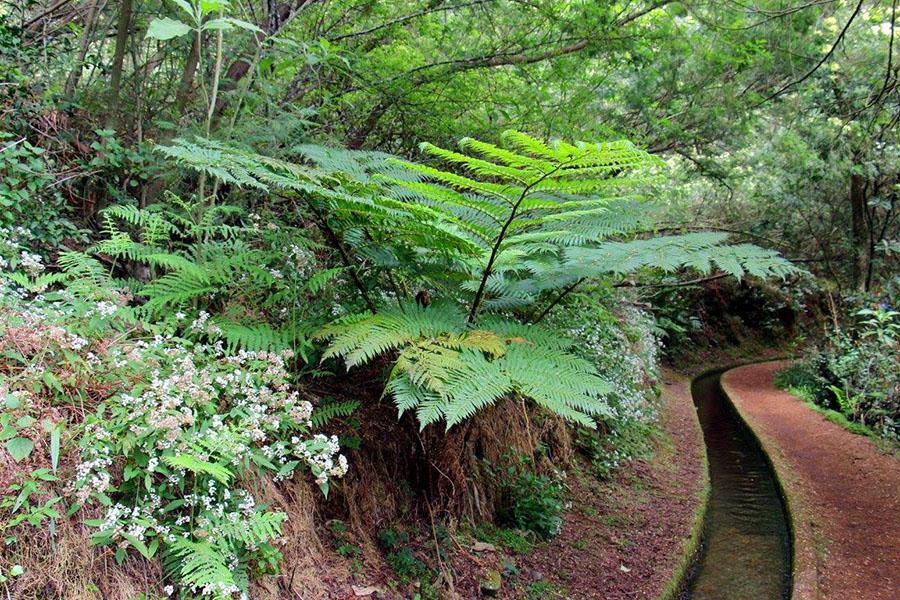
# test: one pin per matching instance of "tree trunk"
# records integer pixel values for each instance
(75, 74)
(187, 77)
(115, 79)
(356, 139)
(278, 14)
(858, 233)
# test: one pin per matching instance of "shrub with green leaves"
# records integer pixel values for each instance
(530, 502)
(854, 371)
(29, 195)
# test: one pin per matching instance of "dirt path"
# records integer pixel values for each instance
(624, 539)
(844, 494)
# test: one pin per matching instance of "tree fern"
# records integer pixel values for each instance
(493, 229)
(447, 369)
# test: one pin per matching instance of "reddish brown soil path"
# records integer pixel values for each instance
(844, 494)
(626, 539)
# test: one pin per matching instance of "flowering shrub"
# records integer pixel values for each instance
(625, 349)
(169, 434)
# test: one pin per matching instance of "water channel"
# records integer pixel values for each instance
(746, 553)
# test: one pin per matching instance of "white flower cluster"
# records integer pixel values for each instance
(320, 453)
(105, 308)
(12, 240)
(202, 324)
(304, 260)
(181, 432)
(218, 410)
(627, 357)
(33, 263)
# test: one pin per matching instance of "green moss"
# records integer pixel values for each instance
(544, 589)
(512, 540)
(695, 537)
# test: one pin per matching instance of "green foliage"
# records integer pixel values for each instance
(536, 215)
(512, 249)
(203, 259)
(855, 372)
(446, 369)
(402, 558)
(513, 540)
(530, 502)
(697, 251)
(329, 409)
(30, 197)
(540, 590)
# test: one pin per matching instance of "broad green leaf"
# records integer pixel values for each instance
(25, 421)
(216, 24)
(166, 29)
(186, 7)
(208, 6)
(244, 25)
(138, 545)
(226, 23)
(19, 448)
(54, 448)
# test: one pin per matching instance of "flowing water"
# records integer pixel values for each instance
(746, 552)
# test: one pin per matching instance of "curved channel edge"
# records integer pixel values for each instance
(691, 549)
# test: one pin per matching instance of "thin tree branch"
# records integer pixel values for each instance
(821, 62)
(336, 243)
(566, 291)
(406, 18)
(699, 280)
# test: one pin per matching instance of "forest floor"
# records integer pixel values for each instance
(842, 491)
(626, 538)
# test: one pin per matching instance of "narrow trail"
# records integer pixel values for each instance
(844, 493)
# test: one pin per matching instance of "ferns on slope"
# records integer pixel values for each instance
(196, 256)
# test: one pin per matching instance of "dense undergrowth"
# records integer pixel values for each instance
(852, 373)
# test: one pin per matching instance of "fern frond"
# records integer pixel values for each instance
(329, 410)
(257, 336)
(448, 370)
(697, 251)
(251, 531)
(193, 464)
(198, 564)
